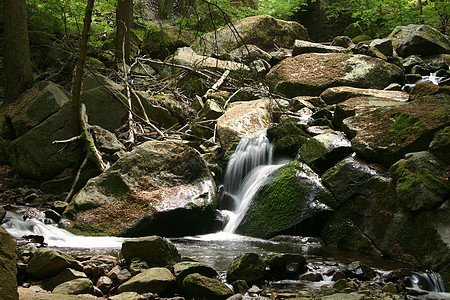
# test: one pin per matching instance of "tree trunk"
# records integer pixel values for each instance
(18, 73)
(123, 26)
(419, 8)
(76, 88)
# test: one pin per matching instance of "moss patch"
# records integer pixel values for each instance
(405, 124)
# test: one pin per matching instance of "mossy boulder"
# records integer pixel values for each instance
(291, 201)
(346, 178)
(75, 287)
(421, 181)
(322, 151)
(162, 109)
(299, 76)
(161, 187)
(419, 40)
(353, 30)
(247, 266)
(161, 40)
(264, 31)
(198, 286)
(154, 280)
(278, 263)
(384, 131)
(185, 268)
(241, 118)
(341, 93)
(8, 268)
(65, 275)
(361, 38)
(47, 263)
(154, 250)
(376, 221)
(288, 138)
(440, 145)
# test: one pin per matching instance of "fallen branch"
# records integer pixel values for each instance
(76, 179)
(164, 63)
(217, 85)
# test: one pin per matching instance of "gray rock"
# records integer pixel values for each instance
(383, 45)
(49, 262)
(201, 287)
(440, 145)
(104, 283)
(247, 266)
(119, 275)
(75, 287)
(279, 263)
(249, 53)
(155, 250)
(154, 280)
(184, 268)
(8, 268)
(342, 41)
(302, 47)
(66, 275)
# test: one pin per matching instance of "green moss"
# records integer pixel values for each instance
(404, 125)
(408, 184)
(312, 150)
(159, 42)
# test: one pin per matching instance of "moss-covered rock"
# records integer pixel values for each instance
(292, 200)
(361, 38)
(337, 69)
(8, 268)
(440, 145)
(154, 280)
(419, 40)
(49, 262)
(184, 268)
(288, 138)
(278, 263)
(248, 266)
(161, 40)
(198, 286)
(353, 30)
(75, 287)
(154, 250)
(160, 187)
(65, 275)
(266, 32)
(421, 182)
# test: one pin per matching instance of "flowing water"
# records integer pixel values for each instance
(249, 168)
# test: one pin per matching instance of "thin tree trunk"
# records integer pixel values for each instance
(76, 89)
(123, 26)
(18, 72)
(419, 8)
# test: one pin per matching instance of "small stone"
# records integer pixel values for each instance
(341, 284)
(314, 277)
(104, 283)
(390, 288)
(254, 290)
(240, 286)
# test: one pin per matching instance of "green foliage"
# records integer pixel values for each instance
(280, 9)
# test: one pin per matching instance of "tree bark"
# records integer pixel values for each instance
(419, 8)
(18, 72)
(123, 26)
(76, 88)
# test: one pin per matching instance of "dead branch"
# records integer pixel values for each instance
(72, 139)
(164, 63)
(76, 179)
(217, 84)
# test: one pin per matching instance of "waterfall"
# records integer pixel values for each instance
(248, 169)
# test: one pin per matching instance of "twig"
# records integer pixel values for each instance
(164, 63)
(72, 139)
(76, 179)
(217, 84)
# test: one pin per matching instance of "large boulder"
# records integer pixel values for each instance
(264, 31)
(440, 145)
(421, 181)
(198, 286)
(47, 263)
(247, 266)
(75, 287)
(419, 40)
(34, 156)
(154, 250)
(242, 118)
(384, 131)
(376, 221)
(185, 268)
(161, 187)
(8, 268)
(154, 280)
(291, 201)
(341, 93)
(300, 75)
(36, 105)
(67, 274)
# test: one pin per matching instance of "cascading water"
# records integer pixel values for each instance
(248, 169)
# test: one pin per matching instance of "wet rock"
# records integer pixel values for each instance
(419, 40)
(346, 178)
(134, 198)
(8, 269)
(428, 88)
(75, 287)
(248, 266)
(154, 280)
(359, 271)
(242, 118)
(302, 47)
(339, 94)
(288, 138)
(337, 69)
(284, 263)
(292, 201)
(384, 131)
(155, 250)
(53, 215)
(198, 286)
(324, 150)
(411, 61)
(184, 268)
(240, 286)
(420, 181)
(266, 32)
(440, 145)
(48, 263)
(2, 214)
(314, 277)
(66, 275)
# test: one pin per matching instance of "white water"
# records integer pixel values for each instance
(431, 78)
(248, 169)
(55, 236)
